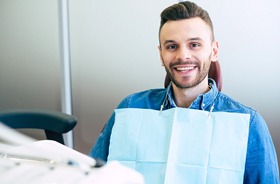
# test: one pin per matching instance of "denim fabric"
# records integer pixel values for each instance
(261, 161)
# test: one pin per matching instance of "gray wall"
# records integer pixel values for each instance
(114, 53)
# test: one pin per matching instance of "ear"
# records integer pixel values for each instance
(215, 51)
(160, 54)
(159, 49)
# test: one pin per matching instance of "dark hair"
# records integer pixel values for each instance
(185, 10)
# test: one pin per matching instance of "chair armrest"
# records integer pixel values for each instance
(39, 119)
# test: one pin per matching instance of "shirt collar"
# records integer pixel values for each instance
(202, 102)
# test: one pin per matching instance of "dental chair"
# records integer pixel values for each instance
(53, 123)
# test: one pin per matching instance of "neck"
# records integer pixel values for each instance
(185, 97)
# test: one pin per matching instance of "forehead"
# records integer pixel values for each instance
(185, 29)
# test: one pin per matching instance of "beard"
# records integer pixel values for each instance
(202, 73)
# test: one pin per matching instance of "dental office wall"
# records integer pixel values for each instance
(114, 53)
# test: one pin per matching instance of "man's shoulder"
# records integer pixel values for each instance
(227, 103)
(148, 93)
(151, 98)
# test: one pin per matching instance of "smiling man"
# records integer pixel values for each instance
(189, 132)
(187, 49)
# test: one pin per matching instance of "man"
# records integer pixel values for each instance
(187, 48)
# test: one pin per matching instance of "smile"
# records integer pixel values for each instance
(185, 68)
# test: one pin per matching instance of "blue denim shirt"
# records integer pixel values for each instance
(261, 161)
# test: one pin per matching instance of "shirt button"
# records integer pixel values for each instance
(203, 105)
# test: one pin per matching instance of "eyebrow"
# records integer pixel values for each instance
(195, 38)
(190, 39)
(168, 41)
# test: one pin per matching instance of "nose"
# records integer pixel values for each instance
(183, 54)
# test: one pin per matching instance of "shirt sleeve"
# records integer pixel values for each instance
(261, 161)
(100, 150)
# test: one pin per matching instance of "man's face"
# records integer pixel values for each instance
(186, 50)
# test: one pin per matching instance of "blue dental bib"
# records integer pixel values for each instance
(181, 145)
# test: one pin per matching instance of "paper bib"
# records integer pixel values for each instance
(181, 145)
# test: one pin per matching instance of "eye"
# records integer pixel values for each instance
(171, 47)
(194, 45)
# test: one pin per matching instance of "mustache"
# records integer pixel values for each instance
(183, 63)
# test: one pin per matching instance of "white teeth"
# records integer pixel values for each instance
(185, 68)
